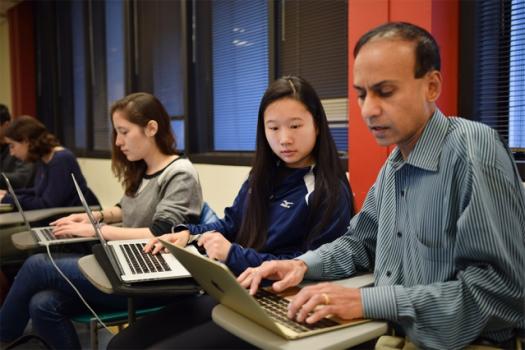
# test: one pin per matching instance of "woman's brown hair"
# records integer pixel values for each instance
(26, 128)
(139, 108)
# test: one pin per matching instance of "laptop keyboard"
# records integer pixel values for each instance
(277, 307)
(140, 262)
(48, 233)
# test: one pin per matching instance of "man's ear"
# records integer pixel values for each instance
(151, 128)
(434, 84)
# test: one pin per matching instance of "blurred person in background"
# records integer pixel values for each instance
(19, 173)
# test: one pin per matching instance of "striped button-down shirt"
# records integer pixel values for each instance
(444, 232)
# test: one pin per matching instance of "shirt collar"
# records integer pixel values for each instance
(428, 148)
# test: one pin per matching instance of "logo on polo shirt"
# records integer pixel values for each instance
(286, 204)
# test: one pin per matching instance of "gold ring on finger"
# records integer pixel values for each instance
(326, 298)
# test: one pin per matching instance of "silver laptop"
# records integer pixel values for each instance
(128, 259)
(42, 235)
(266, 308)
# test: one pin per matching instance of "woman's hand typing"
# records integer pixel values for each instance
(180, 238)
(78, 218)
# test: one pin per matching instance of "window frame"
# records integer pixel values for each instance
(467, 57)
(198, 145)
(199, 148)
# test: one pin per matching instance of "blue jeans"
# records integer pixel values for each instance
(40, 293)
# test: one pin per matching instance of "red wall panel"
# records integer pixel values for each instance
(365, 156)
(22, 55)
(440, 17)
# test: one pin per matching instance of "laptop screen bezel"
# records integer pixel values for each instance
(89, 213)
(96, 226)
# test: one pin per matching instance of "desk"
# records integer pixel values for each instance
(251, 332)
(24, 240)
(98, 270)
(14, 218)
(5, 207)
(264, 339)
(91, 269)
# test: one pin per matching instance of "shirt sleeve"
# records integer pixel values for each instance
(240, 258)
(488, 294)
(21, 175)
(58, 188)
(181, 202)
(229, 225)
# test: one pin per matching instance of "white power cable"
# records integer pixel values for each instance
(76, 290)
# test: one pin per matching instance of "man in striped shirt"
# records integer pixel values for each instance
(443, 227)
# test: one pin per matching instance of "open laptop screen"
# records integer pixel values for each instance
(15, 199)
(89, 213)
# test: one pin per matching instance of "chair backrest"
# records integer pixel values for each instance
(207, 215)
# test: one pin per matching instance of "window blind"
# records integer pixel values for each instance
(499, 91)
(313, 43)
(517, 79)
(79, 73)
(158, 56)
(240, 62)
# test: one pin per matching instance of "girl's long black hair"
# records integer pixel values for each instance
(329, 172)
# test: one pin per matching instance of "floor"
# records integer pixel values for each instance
(103, 336)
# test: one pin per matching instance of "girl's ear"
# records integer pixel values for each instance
(151, 128)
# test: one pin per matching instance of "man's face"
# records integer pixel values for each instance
(394, 104)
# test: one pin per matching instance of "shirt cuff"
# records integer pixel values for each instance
(178, 228)
(159, 227)
(314, 263)
(379, 303)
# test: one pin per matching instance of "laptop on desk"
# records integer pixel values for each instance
(42, 235)
(128, 259)
(5, 207)
(266, 308)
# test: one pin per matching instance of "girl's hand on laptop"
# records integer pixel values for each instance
(2, 194)
(216, 245)
(79, 218)
(287, 273)
(73, 229)
(180, 238)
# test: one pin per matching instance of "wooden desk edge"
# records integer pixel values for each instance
(263, 338)
(12, 218)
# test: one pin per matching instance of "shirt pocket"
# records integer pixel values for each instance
(436, 262)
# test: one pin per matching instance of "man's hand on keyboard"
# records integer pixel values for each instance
(335, 299)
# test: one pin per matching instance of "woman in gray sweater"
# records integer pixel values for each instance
(161, 190)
